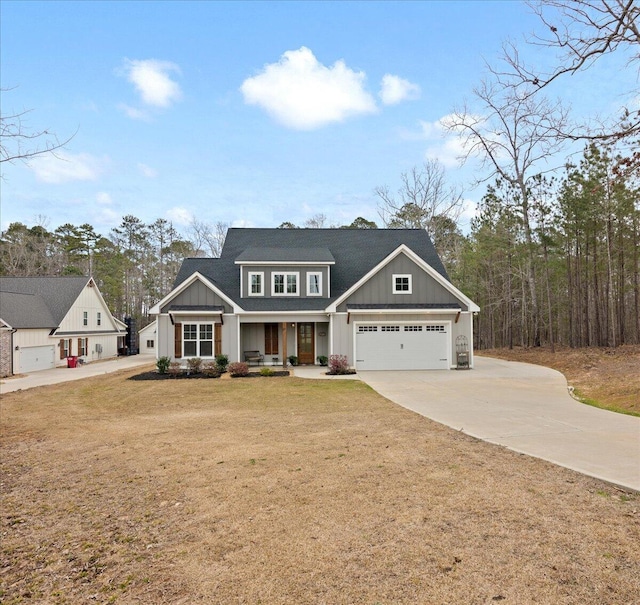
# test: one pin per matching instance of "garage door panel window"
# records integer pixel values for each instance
(413, 328)
(390, 328)
(367, 329)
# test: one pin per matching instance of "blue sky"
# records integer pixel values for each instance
(249, 113)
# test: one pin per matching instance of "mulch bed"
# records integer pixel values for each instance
(258, 375)
(153, 375)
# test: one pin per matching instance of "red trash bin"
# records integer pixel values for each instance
(72, 362)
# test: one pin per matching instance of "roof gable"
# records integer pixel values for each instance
(356, 253)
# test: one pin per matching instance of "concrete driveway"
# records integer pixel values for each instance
(526, 408)
(57, 375)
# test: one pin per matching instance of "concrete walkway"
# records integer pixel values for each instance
(57, 375)
(526, 408)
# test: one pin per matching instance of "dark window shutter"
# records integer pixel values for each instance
(62, 349)
(217, 339)
(270, 339)
(177, 352)
(79, 345)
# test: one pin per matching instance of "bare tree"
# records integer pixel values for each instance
(581, 32)
(515, 136)
(19, 143)
(423, 199)
(207, 238)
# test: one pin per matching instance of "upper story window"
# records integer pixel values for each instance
(99, 318)
(85, 318)
(402, 284)
(256, 284)
(284, 284)
(314, 284)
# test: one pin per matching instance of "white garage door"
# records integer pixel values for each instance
(33, 359)
(402, 346)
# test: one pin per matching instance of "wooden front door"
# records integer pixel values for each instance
(306, 343)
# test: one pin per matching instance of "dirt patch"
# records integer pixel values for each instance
(289, 491)
(609, 378)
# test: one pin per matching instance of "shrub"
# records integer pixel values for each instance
(194, 363)
(211, 369)
(323, 360)
(239, 368)
(293, 360)
(174, 368)
(163, 364)
(222, 361)
(338, 364)
(266, 372)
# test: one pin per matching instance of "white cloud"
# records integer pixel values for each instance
(179, 216)
(63, 167)
(147, 171)
(152, 80)
(134, 113)
(395, 89)
(301, 93)
(104, 199)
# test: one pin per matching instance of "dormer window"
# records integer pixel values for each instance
(314, 284)
(284, 284)
(402, 284)
(256, 284)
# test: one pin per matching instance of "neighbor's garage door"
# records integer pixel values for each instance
(33, 359)
(402, 347)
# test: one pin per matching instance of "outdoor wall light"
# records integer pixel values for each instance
(17, 348)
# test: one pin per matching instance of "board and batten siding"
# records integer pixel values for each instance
(88, 301)
(165, 334)
(197, 294)
(379, 288)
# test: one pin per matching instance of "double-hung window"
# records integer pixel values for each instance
(99, 318)
(314, 284)
(197, 340)
(85, 318)
(402, 284)
(83, 347)
(284, 284)
(256, 281)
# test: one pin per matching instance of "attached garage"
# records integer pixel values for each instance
(33, 359)
(403, 346)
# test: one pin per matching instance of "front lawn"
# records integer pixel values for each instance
(289, 491)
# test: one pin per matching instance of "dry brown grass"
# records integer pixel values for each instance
(281, 491)
(606, 377)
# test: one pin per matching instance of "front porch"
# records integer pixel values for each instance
(277, 342)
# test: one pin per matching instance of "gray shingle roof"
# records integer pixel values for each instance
(356, 252)
(57, 294)
(25, 311)
(287, 255)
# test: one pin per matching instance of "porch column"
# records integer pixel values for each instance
(284, 344)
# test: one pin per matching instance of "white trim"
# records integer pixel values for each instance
(196, 275)
(250, 274)
(286, 275)
(416, 311)
(319, 275)
(403, 248)
(394, 283)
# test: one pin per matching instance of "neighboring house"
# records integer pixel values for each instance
(147, 338)
(48, 319)
(379, 296)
